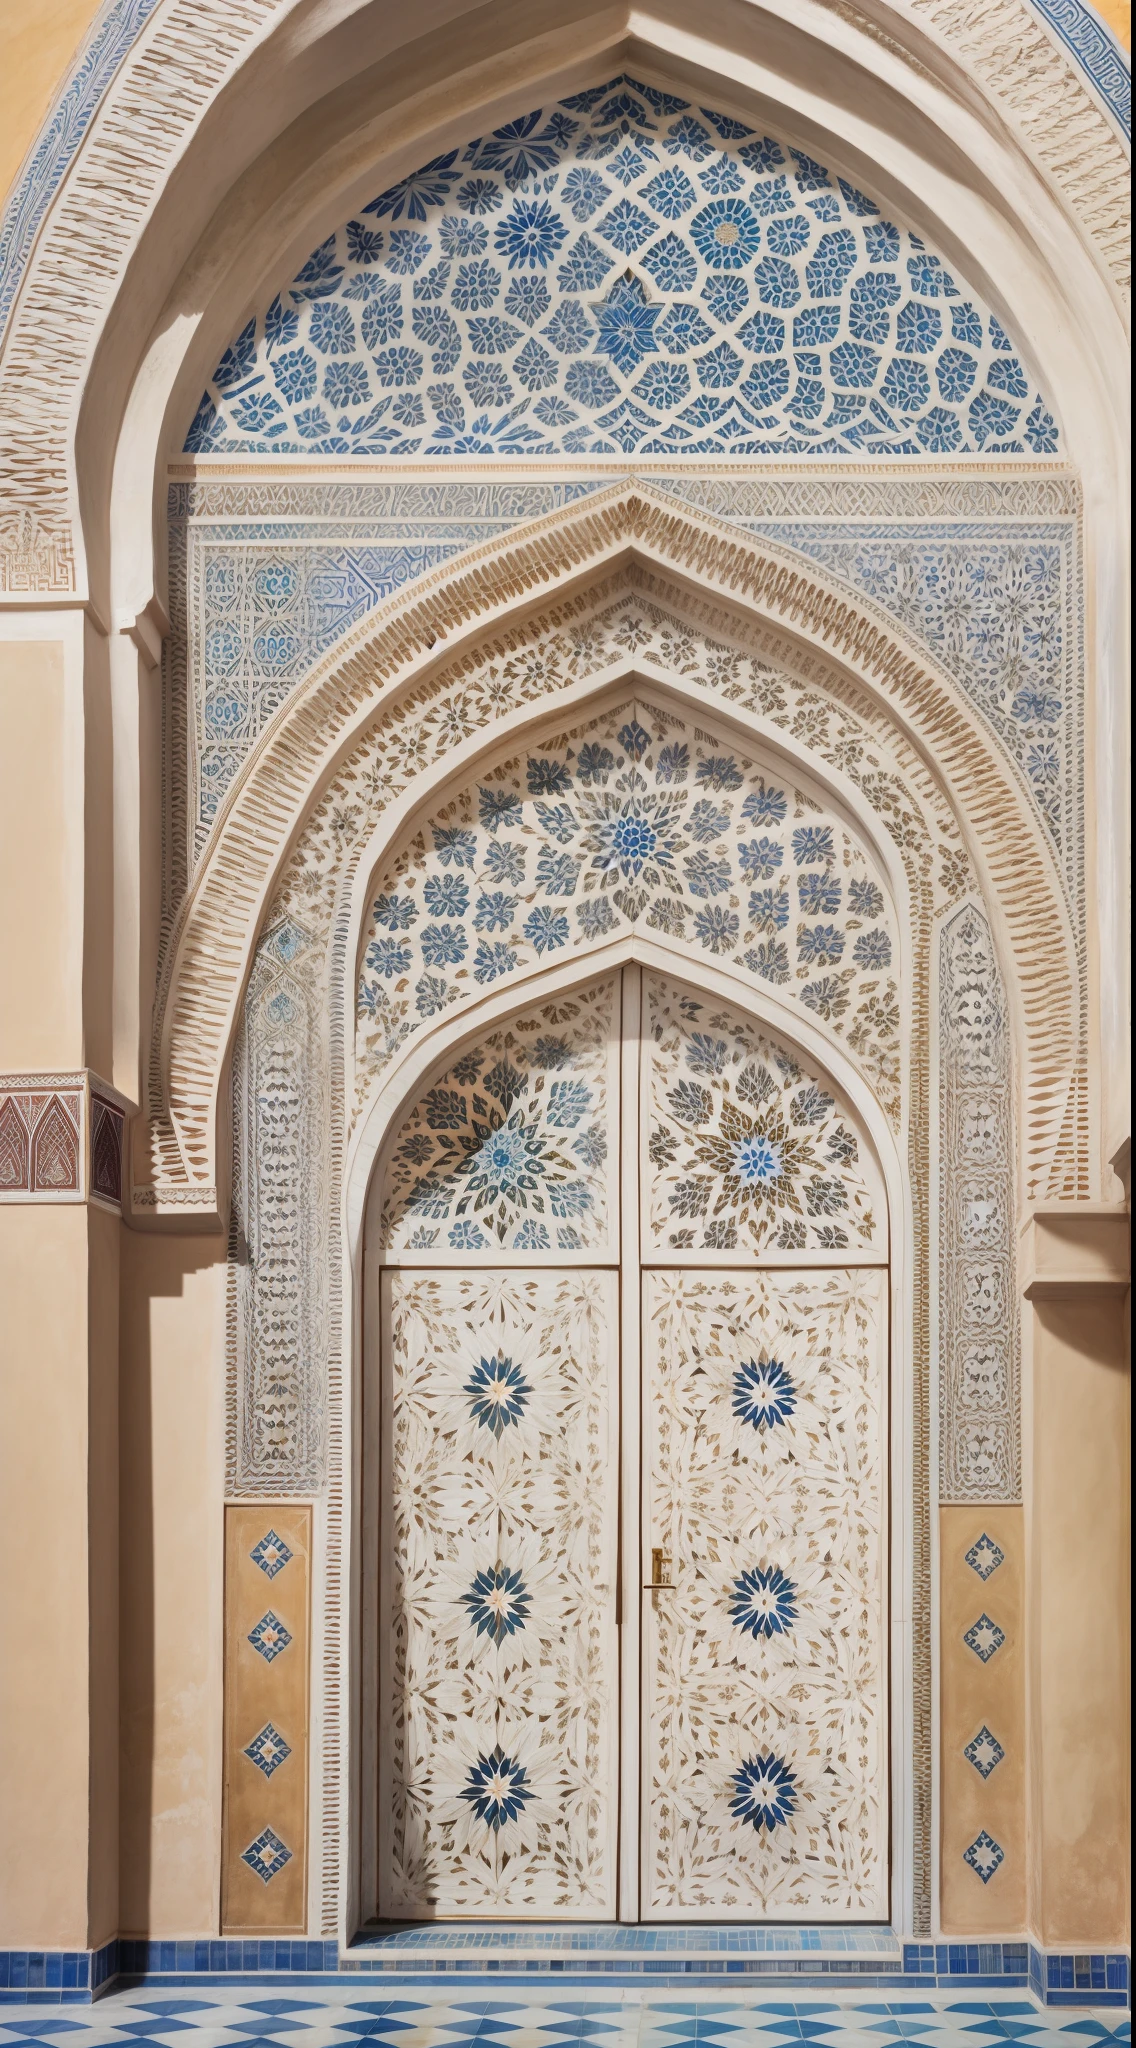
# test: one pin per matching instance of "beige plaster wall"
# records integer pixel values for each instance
(104, 1237)
(1078, 1621)
(40, 902)
(172, 1582)
(52, 1731)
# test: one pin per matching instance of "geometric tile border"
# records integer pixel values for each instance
(581, 1955)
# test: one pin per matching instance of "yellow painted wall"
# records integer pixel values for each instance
(38, 41)
(1118, 14)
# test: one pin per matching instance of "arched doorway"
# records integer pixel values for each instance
(627, 1255)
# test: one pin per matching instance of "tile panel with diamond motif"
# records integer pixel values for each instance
(984, 1751)
(266, 1855)
(268, 1750)
(984, 1637)
(984, 1856)
(985, 1556)
(271, 1554)
(270, 1636)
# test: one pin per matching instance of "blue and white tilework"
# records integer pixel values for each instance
(512, 1149)
(984, 1751)
(984, 1637)
(622, 273)
(1075, 23)
(984, 1556)
(633, 818)
(499, 2016)
(997, 603)
(999, 612)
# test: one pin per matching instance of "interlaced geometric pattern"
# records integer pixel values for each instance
(625, 272)
(634, 819)
(980, 1420)
(498, 1662)
(534, 2014)
(765, 1661)
(512, 1148)
(746, 1150)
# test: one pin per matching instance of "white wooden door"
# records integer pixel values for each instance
(634, 1326)
(499, 1658)
(764, 1773)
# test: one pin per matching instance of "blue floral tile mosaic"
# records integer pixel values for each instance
(622, 273)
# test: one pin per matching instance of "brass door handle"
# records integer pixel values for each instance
(660, 1570)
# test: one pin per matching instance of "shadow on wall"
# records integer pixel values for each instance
(171, 1582)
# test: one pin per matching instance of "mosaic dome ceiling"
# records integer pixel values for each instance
(623, 273)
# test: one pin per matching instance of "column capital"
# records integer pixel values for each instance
(1075, 1249)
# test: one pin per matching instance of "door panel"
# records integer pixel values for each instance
(498, 1774)
(747, 1150)
(764, 1669)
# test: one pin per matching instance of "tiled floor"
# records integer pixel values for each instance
(335, 2018)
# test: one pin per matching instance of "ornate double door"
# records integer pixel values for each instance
(632, 1588)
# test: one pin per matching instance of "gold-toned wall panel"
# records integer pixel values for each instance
(982, 1720)
(265, 1849)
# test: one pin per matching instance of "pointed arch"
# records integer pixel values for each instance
(400, 661)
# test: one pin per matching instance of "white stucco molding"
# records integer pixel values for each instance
(209, 89)
(414, 643)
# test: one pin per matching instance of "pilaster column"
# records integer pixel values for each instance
(61, 1130)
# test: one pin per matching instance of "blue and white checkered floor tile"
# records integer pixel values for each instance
(412, 2018)
(627, 2019)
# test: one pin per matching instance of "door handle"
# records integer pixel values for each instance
(660, 1571)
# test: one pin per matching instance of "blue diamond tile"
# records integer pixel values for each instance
(270, 1636)
(985, 1556)
(268, 1854)
(984, 1751)
(984, 1856)
(268, 1750)
(272, 1554)
(984, 1637)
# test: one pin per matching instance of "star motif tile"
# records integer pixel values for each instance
(984, 1751)
(984, 1637)
(271, 1554)
(269, 1636)
(984, 1855)
(266, 1855)
(625, 323)
(268, 1750)
(985, 1556)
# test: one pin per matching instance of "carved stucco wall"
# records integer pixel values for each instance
(982, 570)
(284, 1411)
(154, 73)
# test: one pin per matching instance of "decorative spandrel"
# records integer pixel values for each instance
(745, 1149)
(498, 1652)
(514, 1148)
(634, 820)
(765, 1768)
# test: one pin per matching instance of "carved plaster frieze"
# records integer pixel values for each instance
(176, 68)
(398, 651)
